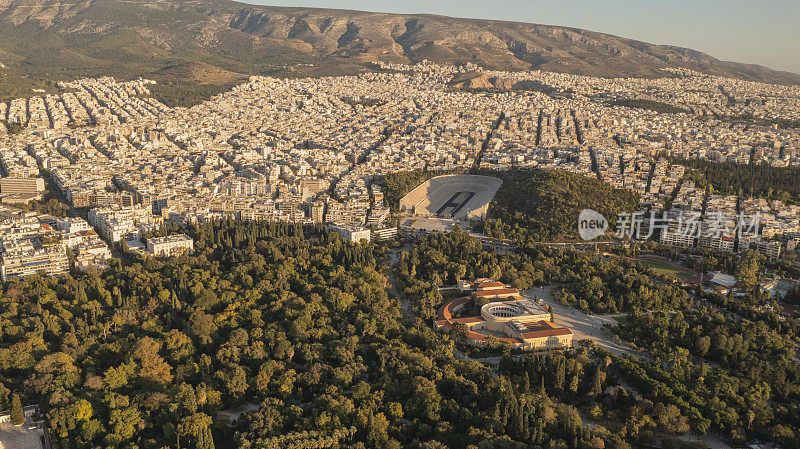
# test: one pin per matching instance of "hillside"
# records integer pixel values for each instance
(46, 40)
(544, 204)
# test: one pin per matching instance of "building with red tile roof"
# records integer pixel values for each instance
(516, 321)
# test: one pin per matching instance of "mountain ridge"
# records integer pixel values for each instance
(57, 40)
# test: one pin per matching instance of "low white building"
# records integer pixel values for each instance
(385, 233)
(352, 233)
(171, 245)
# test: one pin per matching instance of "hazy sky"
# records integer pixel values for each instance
(765, 32)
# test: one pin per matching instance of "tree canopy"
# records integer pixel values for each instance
(541, 205)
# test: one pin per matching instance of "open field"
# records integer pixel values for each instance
(667, 268)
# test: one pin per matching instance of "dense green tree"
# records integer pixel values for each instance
(753, 180)
(748, 269)
(17, 414)
(197, 428)
(596, 386)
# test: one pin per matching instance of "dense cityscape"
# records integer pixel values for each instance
(308, 150)
(337, 262)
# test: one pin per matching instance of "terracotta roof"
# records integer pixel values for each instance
(468, 320)
(484, 285)
(446, 310)
(544, 329)
(498, 292)
(546, 333)
(445, 315)
(484, 337)
(535, 330)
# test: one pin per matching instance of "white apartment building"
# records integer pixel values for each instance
(677, 239)
(51, 260)
(73, 225)
(770, 250)
(716, 243)
(385, 233)
(115, 224)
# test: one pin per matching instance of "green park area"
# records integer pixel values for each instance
(666, 268)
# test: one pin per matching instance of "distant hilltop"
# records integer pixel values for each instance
(478, 80)
(220, 41)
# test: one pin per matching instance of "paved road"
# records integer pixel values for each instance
(493, 361)
(584, 326)
(713, 441)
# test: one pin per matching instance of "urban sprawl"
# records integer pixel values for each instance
(308, 150)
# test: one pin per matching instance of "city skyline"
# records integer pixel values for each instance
(737, 30)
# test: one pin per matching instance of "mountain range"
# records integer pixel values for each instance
(217, 42)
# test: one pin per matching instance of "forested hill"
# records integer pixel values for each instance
(544, 204)
(215, 42)
(730, 372)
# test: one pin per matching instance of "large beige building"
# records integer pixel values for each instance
(171, 245)
(21, 186)
(352, 233)
(539, 335)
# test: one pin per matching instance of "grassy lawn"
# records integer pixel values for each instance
(662, 267)
(622, 320)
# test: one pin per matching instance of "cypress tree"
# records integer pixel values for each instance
(17, 414)
(518, 420)
(560, 374)
(206, 440)
(597, 383)
(80, 295)
(526, 430)
(526, 383)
